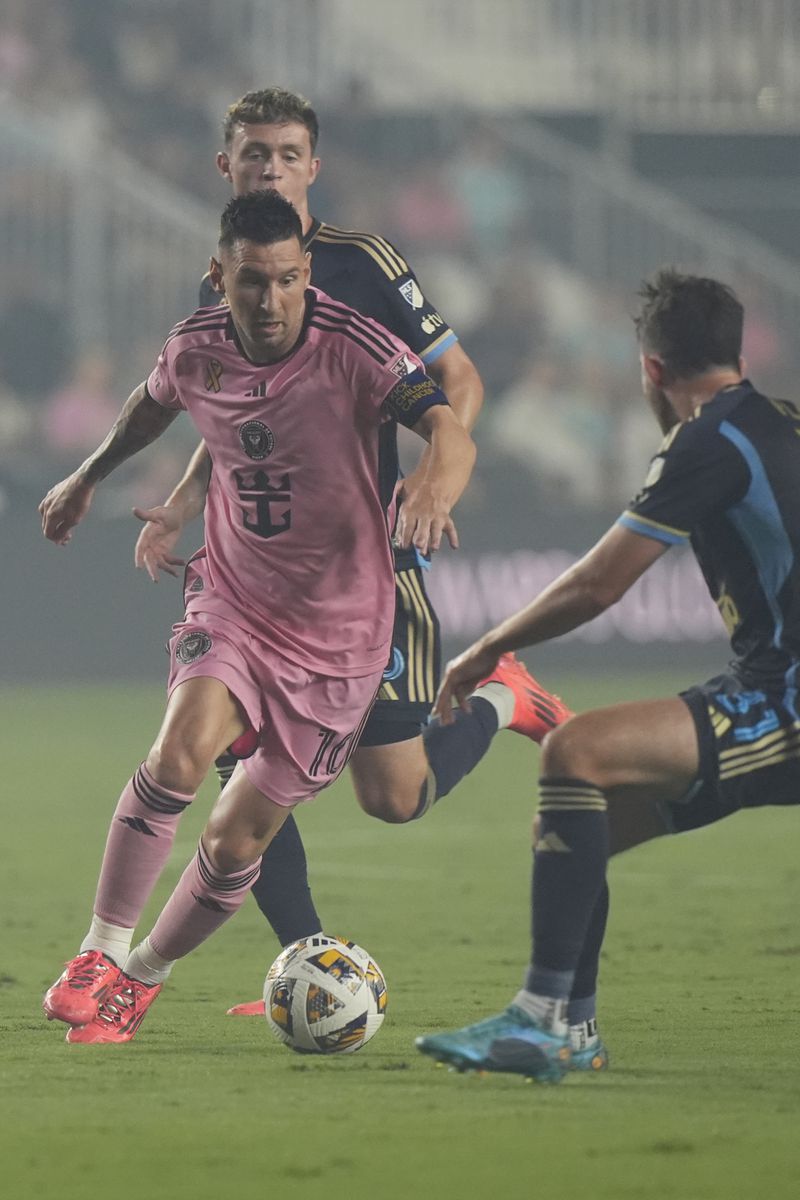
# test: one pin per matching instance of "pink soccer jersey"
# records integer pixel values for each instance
(297, 530)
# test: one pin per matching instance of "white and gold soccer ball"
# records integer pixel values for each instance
(324, 995)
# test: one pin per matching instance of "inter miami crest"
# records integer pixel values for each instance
(192, 646)
(257, 439)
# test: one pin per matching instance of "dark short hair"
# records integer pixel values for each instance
(691, 322)
(271, 106)
(261, 217)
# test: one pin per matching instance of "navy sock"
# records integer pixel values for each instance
(224, 767)
(584, 986)
(570, 861)
(281, 890)
(454, 750)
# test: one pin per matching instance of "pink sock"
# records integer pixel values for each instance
(138, 845)
(203, 900)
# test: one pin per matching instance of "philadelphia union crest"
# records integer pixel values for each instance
(396, 665)
(257, 439)
(192, 646)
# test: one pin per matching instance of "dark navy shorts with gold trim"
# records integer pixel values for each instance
(411, 678)
(749, 752)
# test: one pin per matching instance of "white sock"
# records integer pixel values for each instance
(501, 699)
(583, 1035)
(146, 965)
(113, 940)
(547, 1011)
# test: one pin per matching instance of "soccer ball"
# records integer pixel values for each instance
(324, 995)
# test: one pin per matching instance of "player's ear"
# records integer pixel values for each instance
(215, 275)
(316, 163)
(742, 366)
(224, 165)
(653, 368)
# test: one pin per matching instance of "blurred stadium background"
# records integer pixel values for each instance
(533, 159)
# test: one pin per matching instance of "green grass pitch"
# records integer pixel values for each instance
(699, 1000)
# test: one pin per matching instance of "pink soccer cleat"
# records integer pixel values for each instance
(252, 1008)
(78, 992)
(120, 1015)
(536, 711)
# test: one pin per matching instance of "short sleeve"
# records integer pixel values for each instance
(407, 311)
(160, 382)
(697, 474)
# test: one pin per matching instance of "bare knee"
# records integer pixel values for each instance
(179, 765)
(242, 824)
(232, 846)
(229, 855)
(571, 752)
(388, 780)
(395, 806)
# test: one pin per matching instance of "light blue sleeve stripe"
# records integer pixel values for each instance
(758, 521)
(657, 535)
(439, 349)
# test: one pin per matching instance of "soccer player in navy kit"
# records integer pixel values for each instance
(726, 480)
(270, 142)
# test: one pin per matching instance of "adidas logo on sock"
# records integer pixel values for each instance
(551, 841)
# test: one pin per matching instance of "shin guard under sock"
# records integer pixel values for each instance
(138, 845)
(570, 861)
(454, 750)
(203, 900)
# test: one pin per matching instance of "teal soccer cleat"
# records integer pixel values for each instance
(590, 1058)
(510, 1042)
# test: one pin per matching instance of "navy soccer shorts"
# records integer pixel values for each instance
(749, 742)
(411, 678)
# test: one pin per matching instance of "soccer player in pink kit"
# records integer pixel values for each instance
(289, 617)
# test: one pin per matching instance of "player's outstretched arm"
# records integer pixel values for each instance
(430, 495)
(164, 522)
(141, 421)
(588, 588)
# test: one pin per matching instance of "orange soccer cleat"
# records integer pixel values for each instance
(536, 711)
(79, 990)
(252, 1008)
(120, 1015)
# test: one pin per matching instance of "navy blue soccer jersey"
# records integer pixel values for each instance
(728, 482)
(367, 273)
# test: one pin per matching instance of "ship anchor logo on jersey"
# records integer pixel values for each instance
(257, 439)
(268, 509)
(213, 376)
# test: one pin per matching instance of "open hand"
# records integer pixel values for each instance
(462, 675)
(154, 546)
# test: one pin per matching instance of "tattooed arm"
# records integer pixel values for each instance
(141, 421)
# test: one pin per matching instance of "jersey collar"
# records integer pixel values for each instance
(313, 230)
